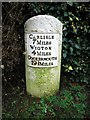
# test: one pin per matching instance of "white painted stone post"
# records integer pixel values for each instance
(43, 44)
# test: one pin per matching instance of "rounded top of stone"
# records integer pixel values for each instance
(48, 17)
(43, 24)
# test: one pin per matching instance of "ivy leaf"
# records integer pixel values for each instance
(70, 19)
(65, 14)
(64, 55)
(71, 49)
(75, 62)
(70, 3)
(76, 46)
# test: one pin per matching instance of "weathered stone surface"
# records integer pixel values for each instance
(43, 81)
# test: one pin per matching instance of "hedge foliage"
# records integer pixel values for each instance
(75, 50)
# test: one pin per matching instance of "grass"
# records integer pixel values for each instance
(70, 103)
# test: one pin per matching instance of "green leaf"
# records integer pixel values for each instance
(70, 19)
(65, 14)
(70, 68)
(75, 62)
(70, 2)
(71, 49)
(64, 55)
(76, 46)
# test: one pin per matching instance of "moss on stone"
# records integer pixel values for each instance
(42, 82)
